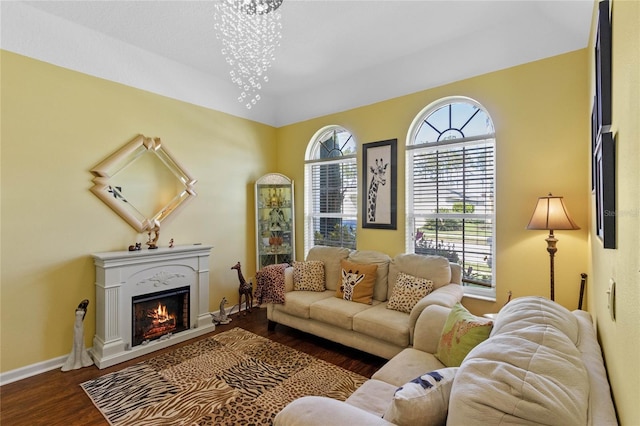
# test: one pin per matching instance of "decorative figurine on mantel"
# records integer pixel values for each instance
(222, 317)
(136, 247)
(78, 357)
(153, 242)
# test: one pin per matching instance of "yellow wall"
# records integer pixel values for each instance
(621, 339)
(538, 111)
(57, 125)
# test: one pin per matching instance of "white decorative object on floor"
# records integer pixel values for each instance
(79, 357)
(222, 317)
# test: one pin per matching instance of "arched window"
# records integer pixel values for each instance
(331, 189)
(451, 189)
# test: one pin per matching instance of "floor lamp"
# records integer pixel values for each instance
(551, 214)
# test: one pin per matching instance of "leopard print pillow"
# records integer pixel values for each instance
(308, 275)
(408, 291)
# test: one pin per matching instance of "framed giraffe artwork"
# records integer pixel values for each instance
(379, 172)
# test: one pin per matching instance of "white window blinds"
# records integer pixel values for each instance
(331, 190)
(333, 203)
(453, 205)
(451, 189)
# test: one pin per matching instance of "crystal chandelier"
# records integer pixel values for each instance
(250, 31)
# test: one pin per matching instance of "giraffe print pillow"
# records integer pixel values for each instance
(308, 275)
(462, 332)
(408, 291)
(357, 281)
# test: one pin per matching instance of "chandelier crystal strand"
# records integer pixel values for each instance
(250, 31)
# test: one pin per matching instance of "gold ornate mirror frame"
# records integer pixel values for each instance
(143, 183)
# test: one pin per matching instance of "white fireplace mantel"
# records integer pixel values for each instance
(121, 275)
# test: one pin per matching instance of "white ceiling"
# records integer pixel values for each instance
(334, 54)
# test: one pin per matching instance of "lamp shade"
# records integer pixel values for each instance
(551, 213)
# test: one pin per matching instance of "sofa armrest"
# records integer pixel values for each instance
(447, 296)
(456, 273)
(288, 279)
(317, 410)
(601, 409)
(428, 329)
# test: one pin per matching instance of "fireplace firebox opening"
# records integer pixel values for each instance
(159, 314)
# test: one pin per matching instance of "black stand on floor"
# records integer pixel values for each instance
(583, 282)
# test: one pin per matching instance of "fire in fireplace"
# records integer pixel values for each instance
(159, 314)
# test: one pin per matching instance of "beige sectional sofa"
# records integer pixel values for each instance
(541, 365)
(369, 327)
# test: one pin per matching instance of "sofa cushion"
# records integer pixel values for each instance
(356, 282)
(380, 259)
(331, 257)
(434, 268)
(382, 323)
(308, 275)
(320, 410)
(298, 303)
(337, 312)
(423, 400)
(517, 314)
(533, 375)
(461, 332)
(407, 365)
(408, 291)
(373, 396)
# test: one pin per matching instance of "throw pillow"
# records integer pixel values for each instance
(408, 291)
(357, 281)
(462, 332)
(308, 275)
(424, 400)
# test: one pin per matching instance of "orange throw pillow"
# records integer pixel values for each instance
(357, 281)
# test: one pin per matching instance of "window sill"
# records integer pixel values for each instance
(478, 294)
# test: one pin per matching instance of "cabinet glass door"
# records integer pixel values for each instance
(274, 220)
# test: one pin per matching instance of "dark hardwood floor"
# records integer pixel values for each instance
(55, 398)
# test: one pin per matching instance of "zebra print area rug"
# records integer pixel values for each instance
(232, 378)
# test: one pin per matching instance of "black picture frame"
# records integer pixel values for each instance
(595, 133)
(379, 178)
(605, 161)
(603, 67)
(603, 164)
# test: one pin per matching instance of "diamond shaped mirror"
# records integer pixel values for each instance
(142, 183)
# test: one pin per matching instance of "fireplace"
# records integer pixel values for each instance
(158, 315)
(148, 300)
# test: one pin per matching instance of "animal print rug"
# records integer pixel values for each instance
(232, 378)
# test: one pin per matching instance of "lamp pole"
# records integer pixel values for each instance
(551, 248)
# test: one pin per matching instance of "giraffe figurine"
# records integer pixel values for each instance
(246, 289)
(378, 178)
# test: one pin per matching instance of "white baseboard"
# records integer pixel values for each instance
(44, 366)
(32, 370)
